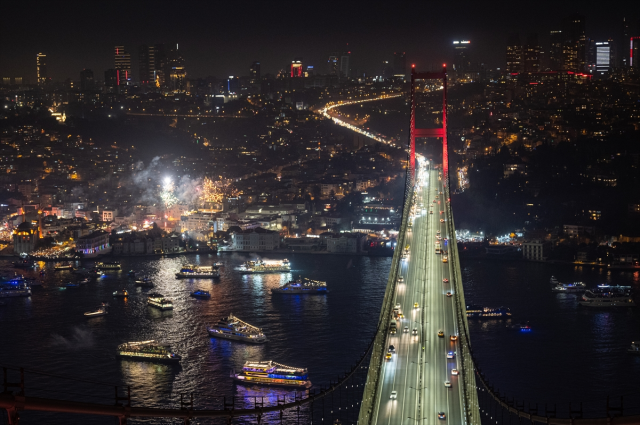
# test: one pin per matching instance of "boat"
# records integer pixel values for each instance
(131, 273)
(273, 374)
(71, 285)
(108, 265)
(634, 349)
(569, 288)
(233, 328)
(145, 282)
(63, 267)
(554, 281)
(121, 293)
(84, 281)
(201, 294)
(159, 301)
(522, 327)
(10, 289)
(197, 272)
(150, 351)
(608, 296)
(101, 311)
(260, 266)
(476, 312)
(24, 263)
(302, 286)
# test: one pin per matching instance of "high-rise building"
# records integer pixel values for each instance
(556, 39)
(623, 44)
(86, 80)
(122, 65)
(461, 57)
(531, 54)
(345, 65)
(634, 52)
(333, 63)
(161, 61)
(603, 58)
(296, 67)
(574, 48)
(41, 68)
(399, 64)
(111, 80)
(175, 73)
(514, 54)
(147, 64)
(254, 72)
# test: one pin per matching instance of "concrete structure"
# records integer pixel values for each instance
(258, 239)
(536, 250)
(348, 243)
(24, 238)
(94, 244)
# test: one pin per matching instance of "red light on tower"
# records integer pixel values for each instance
(413, 65)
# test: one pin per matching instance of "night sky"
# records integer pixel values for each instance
(223, 38)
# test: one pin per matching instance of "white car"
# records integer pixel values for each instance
(447, 384)
(454, 372)
(394, 395)
(406, 329)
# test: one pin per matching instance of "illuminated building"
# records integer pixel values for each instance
(623, 61)
(634, 52)
(41, 68)
(531, 54)
(122, 60)
(575, 44)
(233, 84)
(254, 72)
(24, 238)
(603, 57)
(296, 67)
(345, 67)
(333, 64)
(461, 62)
(147, 64)
(111, 80)
(94, 244)
(176, 73)
(399, 64)
(86, 80)
(514, 54)
(555, 50)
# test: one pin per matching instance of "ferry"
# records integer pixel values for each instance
(634, 349)
(159, 301)
(260, 266)
(201, 294)
(274, 374)
(145, 282)
(121, 293)
(151, 351)
(101, 311)
(233, 328)
(24, 263)
(476, 312)
(108, 265)
(15, 290)
(608, 296)
(302, 286)
(569, 288)
(63, 267)
(194, 271)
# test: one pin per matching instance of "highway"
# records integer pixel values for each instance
(419, 367)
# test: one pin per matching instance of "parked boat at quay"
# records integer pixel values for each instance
(302, 286)
(150, 351)
(273, 374)
(233, 328)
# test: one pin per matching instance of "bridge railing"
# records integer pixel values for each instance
(467, 374)
(378, 350)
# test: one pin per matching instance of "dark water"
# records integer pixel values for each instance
(572, 354)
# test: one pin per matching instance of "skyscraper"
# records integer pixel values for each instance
(399, 64)
(86, 80)
(254, 72)
(531, 54)
(111, 80)
(514, 54)
(556, 39)
(603, 57)
(623, 44)
(634, 52)
(41, 68)
(122, 60)
(175, 73)
(296, 67)
(461, 59)
(575, 43)
(345, 65)
(333, 69)
(147, 64)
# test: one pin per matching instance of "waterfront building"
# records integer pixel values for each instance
(94, 244)
(348, 243)
(536, 250)
(257, 239)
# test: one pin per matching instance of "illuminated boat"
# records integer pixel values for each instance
(159, 301)
(108, 265)
(476, 312)
(101, 311)
(63, 267)
(273, 374)
(198, 272)
(260, 266)
(200, 294)
(14, 288)
(302, 286)
(569, 288)
(145, 282)
(608, 296)
(123, 293)
(233, 328)
(150, 351)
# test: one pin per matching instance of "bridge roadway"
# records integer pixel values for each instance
(419, 368)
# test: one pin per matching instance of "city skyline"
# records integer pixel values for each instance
(224, 47)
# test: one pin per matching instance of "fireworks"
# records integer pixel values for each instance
(167, 195)
(215, 192)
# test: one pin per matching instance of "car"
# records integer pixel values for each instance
(397, 307)
(441, 212)
(406, 329)
(445, 259)
(415, 305)
(447, 384)
(441, 220)
(392, 349)
(430, 212)
(394, 395)
(445, 280)
(451, 355)
(448, 294)
(440, 334)
(442, 415)
(415, 331)
(453, 337)
(388, 356)
(400, 316)
(454, 372)
(401, 280)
